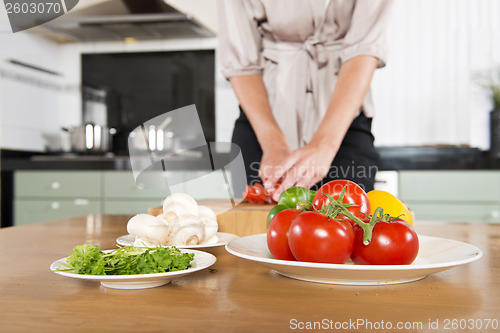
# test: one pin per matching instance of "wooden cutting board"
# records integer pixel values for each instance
(243, 220)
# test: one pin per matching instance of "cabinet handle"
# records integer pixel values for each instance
(55, 185)
(495, 214)
(55, 205)
(81, 202)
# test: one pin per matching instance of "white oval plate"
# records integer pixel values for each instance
(224, 238)
(435, 255)
(201, 261)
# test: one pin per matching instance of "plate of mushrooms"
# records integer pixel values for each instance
(183, 224)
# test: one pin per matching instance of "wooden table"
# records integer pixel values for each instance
(236, 295)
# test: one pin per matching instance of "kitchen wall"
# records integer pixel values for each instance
(428, 93)
(425, 95)
(29, 98)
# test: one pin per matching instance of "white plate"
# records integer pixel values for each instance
(201, 261)
(435, 255)
(224, 238)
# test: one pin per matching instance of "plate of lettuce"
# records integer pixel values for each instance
(131, 267)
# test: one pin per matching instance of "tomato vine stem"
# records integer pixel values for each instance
(338, 207)
(303, 206)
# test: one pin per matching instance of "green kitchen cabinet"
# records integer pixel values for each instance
(132, 207)
(445, 195)
(208, 185)
(60, 184)
(122, 185)
(48, 195)
(28, 211)
(123, 195)
(454, 196)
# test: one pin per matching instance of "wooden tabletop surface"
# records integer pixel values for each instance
(236, 295)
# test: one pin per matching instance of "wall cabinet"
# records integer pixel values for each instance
(454, 196)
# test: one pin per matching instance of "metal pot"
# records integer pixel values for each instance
(90, 138)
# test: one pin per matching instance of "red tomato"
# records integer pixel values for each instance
(354, 194)
(249, 194)
(393, 243)
(277, 234)
(261, 192)
(314, 237)
(256, 194)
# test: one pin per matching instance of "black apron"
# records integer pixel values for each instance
(356, 159)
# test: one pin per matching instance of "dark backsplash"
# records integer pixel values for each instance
(141, 86)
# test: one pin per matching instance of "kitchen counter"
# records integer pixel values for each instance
(435, 158)
(97, 162)
(391, 158)
(235, 295)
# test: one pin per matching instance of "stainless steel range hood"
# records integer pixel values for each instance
(117, 20)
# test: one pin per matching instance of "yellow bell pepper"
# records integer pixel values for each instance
(390, 204)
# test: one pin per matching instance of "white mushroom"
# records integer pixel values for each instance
(182, 222)
(210, 225)
(178, 204)
(148, 229)
(161, 218)
(188, 230)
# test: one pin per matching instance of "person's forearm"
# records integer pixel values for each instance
(252, 96)
(353, 82)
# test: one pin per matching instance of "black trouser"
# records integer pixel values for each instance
(356, 159)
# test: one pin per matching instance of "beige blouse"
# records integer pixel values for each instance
(298, 47)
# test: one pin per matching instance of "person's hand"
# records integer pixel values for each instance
(272, 158)
(303, 167)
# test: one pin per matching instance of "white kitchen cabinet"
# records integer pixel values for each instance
(454, 196)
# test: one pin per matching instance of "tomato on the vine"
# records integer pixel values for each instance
(315, 237)
(275, 210)
(277, 234)
(340, 228)
(393, 242)
(353, 195)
